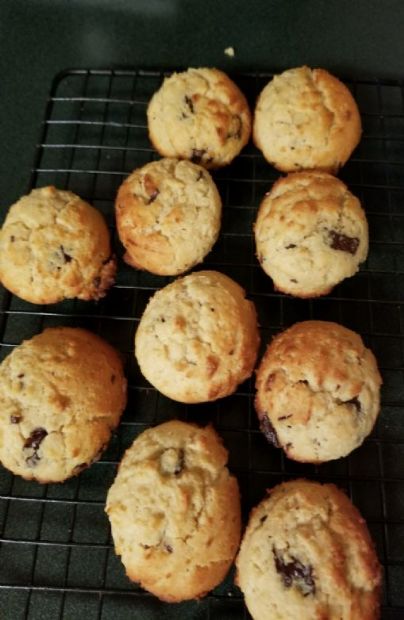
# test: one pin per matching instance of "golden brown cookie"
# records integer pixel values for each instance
(304, 119)
(201, 115)
(55, 246)
(310, 233)
(61, 394)
(307, 554)
(168, 216)
(174, 510)
(198, 338)
(318, 391)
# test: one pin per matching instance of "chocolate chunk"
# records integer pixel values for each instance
(343, 242)
(293, 280)
(66, 257)
(180, 463)
(190, 104)
(108, 259)
(285, 417)
(295, 573)
(12, 238)
(33, 442)
(290, 246)
(36, 438)
(263, 519)
(355, 402)
(269, 381)
(21, 375)
(236, 133)
(269, 431)
(153, 196)
(197, 155)
(15, 419)
(168, 548)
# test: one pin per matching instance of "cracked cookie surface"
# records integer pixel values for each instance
(198, 338)
(310, 233)
(318, 391)
(174, 510)
(306, 118)
(307, 553)
(159, 208)
(201, 115)
(55, 246)
(61, 394)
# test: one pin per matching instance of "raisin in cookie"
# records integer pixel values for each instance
(200, 115)
(198, 338)
(318, 391)
(159, 208)
(306, 118)
(55, 246)
(310, 233)
(61, 394)
(307, 554)
(174, 510)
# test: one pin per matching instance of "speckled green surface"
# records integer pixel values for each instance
(38, 38)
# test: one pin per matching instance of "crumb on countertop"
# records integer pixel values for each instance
(229, 51)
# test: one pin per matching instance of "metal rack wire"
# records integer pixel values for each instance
(56, 556)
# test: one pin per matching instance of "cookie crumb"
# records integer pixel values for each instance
(229, 51)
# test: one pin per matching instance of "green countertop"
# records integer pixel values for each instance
(39, 38)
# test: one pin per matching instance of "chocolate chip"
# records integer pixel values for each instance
(269, 381)
(290, 246)
(269, 431)
(21, 375)
(263, 519)
(285, 417)
(343, 242)
(12, 238)
(197, 155)
(293, 280)
(236, 133)
(180, 463)
(355, 402)
(36, 438)
(162, 319)
(189, 103)
(15, 419)
(108, 259)
(33, 442)
(295, 573)
(153, 196)
(168, 548)
(67, 258)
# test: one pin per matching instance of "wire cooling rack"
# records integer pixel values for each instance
(56, 555)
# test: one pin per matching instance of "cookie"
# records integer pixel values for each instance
(318, 391)
(174, 510)
(55, 246)
(310, 233)
(198, 338)
(306, 554)
(61, 394)
(306, 118)
(159, 207)
(201, 115)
